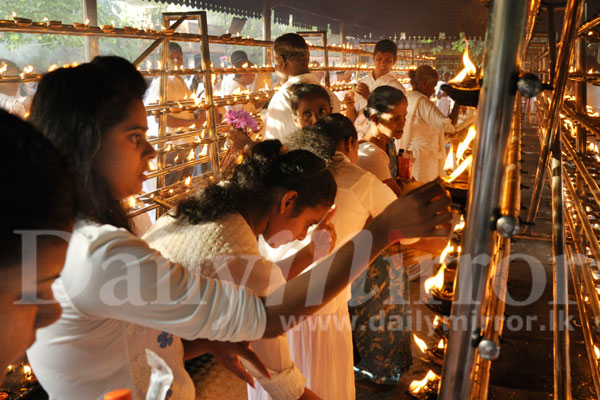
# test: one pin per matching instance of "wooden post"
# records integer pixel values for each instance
(267, 29)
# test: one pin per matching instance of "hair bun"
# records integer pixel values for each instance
(267, 150)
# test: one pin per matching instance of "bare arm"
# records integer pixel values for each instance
(228, 354)
(422, 212)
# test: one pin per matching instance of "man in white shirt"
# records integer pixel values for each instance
(384, 59)
(177, 90)
(9, 92)
(237, 83)
(443, 100)
(291, 58)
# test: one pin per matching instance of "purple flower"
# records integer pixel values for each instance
(241, 119)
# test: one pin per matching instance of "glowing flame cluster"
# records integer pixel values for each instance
(420, 343)
(469, 68)
(416, 386)
(437, 281)
(460, 169)
(460, 152)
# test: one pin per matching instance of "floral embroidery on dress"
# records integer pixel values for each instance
(381, 309)
(165, 339)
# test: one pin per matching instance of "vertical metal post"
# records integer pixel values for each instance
(266, 29)
(90, 13)
(208, 91)
(551, 41)
(505, 35)
(581, 87)
(162, 99)
(560, 309)
(572, 13)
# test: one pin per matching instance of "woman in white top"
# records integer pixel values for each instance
(384, 352)
(273, 193)
(386, 109)
(426, 126)
(322, 345)
(116, 292)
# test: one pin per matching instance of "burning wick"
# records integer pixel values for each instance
(460, 169)
(191, 155)
(27, 372)
(3, 68)
(597, 352)
(27, 70)
(469, 68)
(416, 386)
(188, 180)
(420, 343)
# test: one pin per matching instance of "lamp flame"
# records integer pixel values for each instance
(460, 169)
(464, 145)
(191, 155)
(597, 352)
(460, 226)
(436, 281)
(469, 68)
(3, 68)
(418, 386)
(420, 343)
(188, 180)
(441, 345)
(449, 163)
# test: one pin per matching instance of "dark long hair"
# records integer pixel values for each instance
(39, 190)
(74, 108)
(382, 100)
(257, 181)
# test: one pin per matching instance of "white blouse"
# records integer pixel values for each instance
(390, 79)
(360, 195)
(375, 160)
(227, 249)
(114, 289)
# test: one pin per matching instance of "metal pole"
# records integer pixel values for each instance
(581, 98)
(504, 38)
(208, 91)
(162, 99)
(90, 14)
(560, 309)
(585, 324)
(551, 41)
(568, 37)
